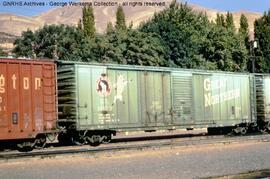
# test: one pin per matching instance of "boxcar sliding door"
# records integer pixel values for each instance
(155, 95)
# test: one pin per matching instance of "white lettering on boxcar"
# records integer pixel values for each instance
(37, 83)
(210, 100)
(214, 84)
(26, 83)
(2, 108)
(206, 84)
(207, 100)
(14, 81)
(2, 84)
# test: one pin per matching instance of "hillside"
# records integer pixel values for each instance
(6, 40)
(14, 24)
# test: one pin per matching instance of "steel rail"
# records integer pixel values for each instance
(114, 147)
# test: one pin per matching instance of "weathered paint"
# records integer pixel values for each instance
(221, 99)
(182, 98)
(142, 98)
(27, 98)
(107, 98)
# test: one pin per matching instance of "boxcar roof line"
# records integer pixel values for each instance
(148, 68)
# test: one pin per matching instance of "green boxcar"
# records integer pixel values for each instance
(125, 98)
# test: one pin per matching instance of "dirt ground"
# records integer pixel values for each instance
(182, 162)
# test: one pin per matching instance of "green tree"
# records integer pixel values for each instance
(109, 28)
(96, 49)
(243, 25)
(79, 25)
(26, 45)
(229, 21)
(243, 30)
(191, 41)
(143, 49)
(181, 31)
(120, 19)
(53, 41)
(126, 47)
(224, 50)
(88, 21)
(262, 34)
(220, 20)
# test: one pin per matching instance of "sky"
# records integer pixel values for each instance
(234, 5)
(222, 5)
(27, 10)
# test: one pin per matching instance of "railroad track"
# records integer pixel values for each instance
(136, 145)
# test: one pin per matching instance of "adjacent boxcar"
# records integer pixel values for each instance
(98, 100)
(263, 101)
(27, 101)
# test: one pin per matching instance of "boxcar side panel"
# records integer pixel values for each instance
(4, 122)
(14, 96)
(91, 91)
(221, 99)
(198, 98)
(26, 117)
(122, 99)
(157, 98)
(27, 98)
(37, 98)
(85, 113)
(119, 100)
(247, 99)
(267, 97)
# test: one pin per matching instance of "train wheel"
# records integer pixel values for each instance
(94, 140)
(243, 130)
(40, 142)
(267, 127)
(240, 130)
(25, 146)
(107, 139)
